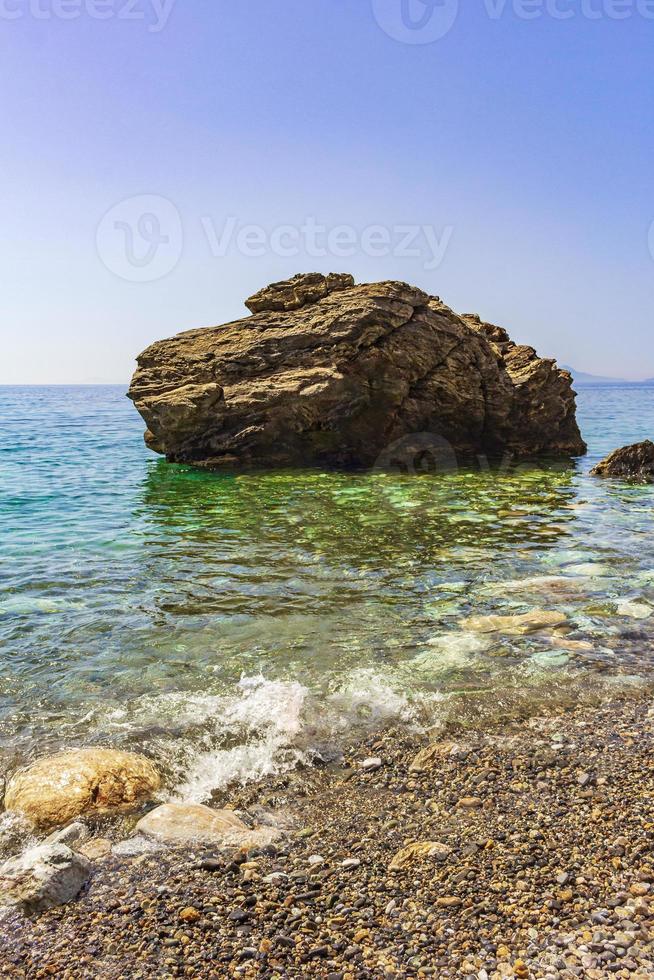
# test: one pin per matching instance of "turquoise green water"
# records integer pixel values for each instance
(229, 624)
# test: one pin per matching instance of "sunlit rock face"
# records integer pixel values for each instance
(634, 462)
(326, 372)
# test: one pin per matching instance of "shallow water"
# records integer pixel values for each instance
(229, 624)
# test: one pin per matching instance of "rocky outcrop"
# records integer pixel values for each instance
(43, 877)
(57, 789)
(327, 372)
(176, 823)
(631, 462)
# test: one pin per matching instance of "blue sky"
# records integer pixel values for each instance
(162, 163)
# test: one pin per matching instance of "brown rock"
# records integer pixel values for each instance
(190, 914)
(634, 462)
(448, 902)
(536, 619)
(292, 294)
(424, 850)
(471, 802)
(329, 372)
(58, 788)
(428, 756)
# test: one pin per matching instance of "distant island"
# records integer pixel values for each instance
(583, 378)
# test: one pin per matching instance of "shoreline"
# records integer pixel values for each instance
(544, 868)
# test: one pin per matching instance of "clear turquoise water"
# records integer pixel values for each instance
(226, 624)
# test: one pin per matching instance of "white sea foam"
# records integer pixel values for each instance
(268, 727)
(365, 695)
(265, 719)
(15, 834)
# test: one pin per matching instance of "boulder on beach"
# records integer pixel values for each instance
(177, 823)
(58, 788)
(634, 462)
(327, 372)
(43, 877)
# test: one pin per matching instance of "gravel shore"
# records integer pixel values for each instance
(538, 861)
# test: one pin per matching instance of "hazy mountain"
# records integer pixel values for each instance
(583, 378)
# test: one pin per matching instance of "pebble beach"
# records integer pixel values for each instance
(526, 851)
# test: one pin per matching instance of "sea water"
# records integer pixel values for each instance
(231, 625)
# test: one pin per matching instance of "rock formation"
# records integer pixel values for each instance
(59, 788)
(631, 462)
(326, 372)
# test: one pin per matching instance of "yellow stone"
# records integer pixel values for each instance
(429, 755)
(448, 902)
(537, 619)
(58, 788)
(190, 914)
(420, 851)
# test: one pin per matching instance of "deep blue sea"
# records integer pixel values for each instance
(229, 624)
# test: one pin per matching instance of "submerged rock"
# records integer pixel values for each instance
(180, 822)
(57, 789)
(537, 619)
(634, 462)
(329, 372)
(43, 877)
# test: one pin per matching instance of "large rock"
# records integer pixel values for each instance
(518, 625)
(43, 877)
(178, 823)
(329, 372)
(57, 789)
(631, 462)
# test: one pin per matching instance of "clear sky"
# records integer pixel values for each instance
(498, 154)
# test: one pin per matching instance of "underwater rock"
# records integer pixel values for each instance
(43, 877)
(634, 462)
(57, 789)
(179, 822)
(333, 373)
(530, 622)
